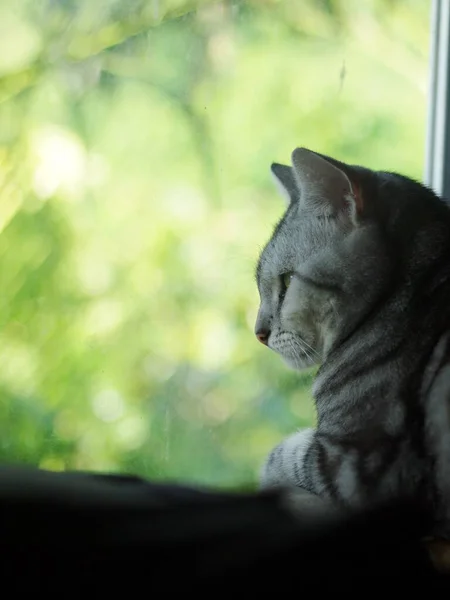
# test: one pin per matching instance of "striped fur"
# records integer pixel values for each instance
(367, 255)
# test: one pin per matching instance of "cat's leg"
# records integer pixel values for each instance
(287, 464)
(324, 466)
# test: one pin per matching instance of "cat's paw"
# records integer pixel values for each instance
(305, 505)
(284, 464)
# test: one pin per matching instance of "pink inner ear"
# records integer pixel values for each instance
(359, 203)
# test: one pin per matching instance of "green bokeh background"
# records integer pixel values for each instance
(135, 195)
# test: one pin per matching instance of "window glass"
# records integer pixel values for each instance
(135, 145)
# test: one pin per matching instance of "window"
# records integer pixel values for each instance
(135, 144)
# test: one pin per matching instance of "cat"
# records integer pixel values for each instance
(356, 279)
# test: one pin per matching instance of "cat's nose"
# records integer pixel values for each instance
(263, 335)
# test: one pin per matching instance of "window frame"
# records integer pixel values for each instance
(437, 152)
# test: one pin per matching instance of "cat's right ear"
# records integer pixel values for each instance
(285, 182)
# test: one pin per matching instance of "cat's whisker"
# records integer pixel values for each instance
(313, 351)
(299, 351)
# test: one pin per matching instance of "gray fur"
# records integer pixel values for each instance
(369, 301)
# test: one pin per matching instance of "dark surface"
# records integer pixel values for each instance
(64, 533)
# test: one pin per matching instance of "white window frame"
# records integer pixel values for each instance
(437, 153)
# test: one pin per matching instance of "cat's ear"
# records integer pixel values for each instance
(285, 182)
(325, 186)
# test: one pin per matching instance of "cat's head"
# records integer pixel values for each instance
(327, 260)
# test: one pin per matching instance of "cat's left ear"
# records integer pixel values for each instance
(285, 182)
(327, 186)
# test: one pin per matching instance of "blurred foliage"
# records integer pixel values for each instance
(135, 142)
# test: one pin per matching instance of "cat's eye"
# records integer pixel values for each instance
(286, 279)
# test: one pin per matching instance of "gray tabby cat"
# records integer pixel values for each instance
(356, 278)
